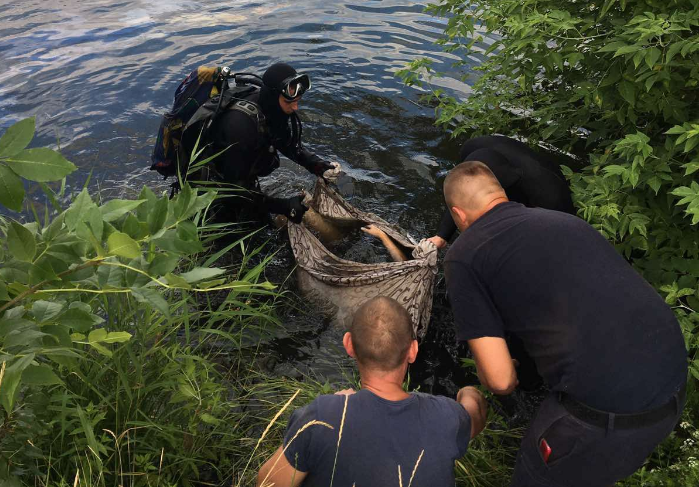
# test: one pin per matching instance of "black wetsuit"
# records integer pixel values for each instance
(253, 150)
(528, 177)
(249, 144)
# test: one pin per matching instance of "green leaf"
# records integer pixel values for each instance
(677, 129)
(652, 56)
(672, 50)
(115, 209)
(691, 144)
(158, 215)
(45, 311)
(20, 242)
(556, 59)
(40, 165)
(208, 419)
(40, 375)
(201, 273)
(78, 209)
(79, 320)
(177, 281)
(116, 337)
(152, 297)
(11, 381)
(17, 137)
(122, 245)
(691, 167)
(11, 189)
(89, 432)
(627, 50)
(614, 169)
(163, 264)
(109, 276)
(3, 292)
(627, 91)
(654, 182)
(102, 336)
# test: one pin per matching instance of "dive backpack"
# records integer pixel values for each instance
(198, 100)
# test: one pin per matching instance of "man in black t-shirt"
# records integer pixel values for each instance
(607, 345)
(528, 177)
(380, 435)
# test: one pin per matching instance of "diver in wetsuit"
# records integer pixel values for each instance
(527, 177)
(250, 133)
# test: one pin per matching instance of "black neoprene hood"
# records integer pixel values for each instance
(269, 94)
(276, 74)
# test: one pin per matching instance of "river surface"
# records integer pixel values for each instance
(99, 74)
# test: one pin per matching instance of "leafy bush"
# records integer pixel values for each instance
(112, 370)
(615, 83)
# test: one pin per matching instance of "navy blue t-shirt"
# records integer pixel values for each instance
(595, 328)
(379, 439)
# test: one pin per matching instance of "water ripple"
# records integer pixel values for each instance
(99, 74)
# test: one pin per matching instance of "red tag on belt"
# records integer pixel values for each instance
(545, 450)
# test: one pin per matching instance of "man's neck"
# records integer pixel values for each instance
(388, 386)
(492, 204)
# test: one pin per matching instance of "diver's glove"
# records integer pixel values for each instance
(293, 208)
(319, 167)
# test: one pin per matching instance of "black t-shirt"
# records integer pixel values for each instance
(528, 177)
(379, 437)
(595, 328)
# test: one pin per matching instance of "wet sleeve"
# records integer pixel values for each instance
(305, 158)
(237, 136)
(298, 441)
(447, 227)
(475, 313)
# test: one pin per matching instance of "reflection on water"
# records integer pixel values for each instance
(99, 74)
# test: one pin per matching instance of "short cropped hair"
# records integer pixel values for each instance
(459, 183)
(382, 332)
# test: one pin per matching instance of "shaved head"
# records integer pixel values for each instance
(382, 333)
(470, 186)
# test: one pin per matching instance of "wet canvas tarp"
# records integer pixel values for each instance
(340, 286)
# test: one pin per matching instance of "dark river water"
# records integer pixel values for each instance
(99, 74)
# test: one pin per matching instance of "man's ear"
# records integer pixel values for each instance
(412, 352)
(459, 216)
(347, 342)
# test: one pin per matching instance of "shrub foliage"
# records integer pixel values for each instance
(616, 84)
(111, 363)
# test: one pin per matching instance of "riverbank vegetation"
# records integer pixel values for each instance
(615, 83)
(127, 355)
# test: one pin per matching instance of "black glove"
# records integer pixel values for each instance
(293, 208)
(320, 167)
(296, 209)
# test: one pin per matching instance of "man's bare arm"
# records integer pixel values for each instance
(396, 254)
(496, 369)
(278, 472)
(474, 403)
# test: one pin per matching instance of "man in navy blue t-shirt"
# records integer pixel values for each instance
(607, 345)
(380, 435)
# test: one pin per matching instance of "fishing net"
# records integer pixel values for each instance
(338, 286)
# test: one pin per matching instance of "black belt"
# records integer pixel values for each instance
(612, 421)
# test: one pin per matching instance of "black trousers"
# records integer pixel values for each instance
(584, 455)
